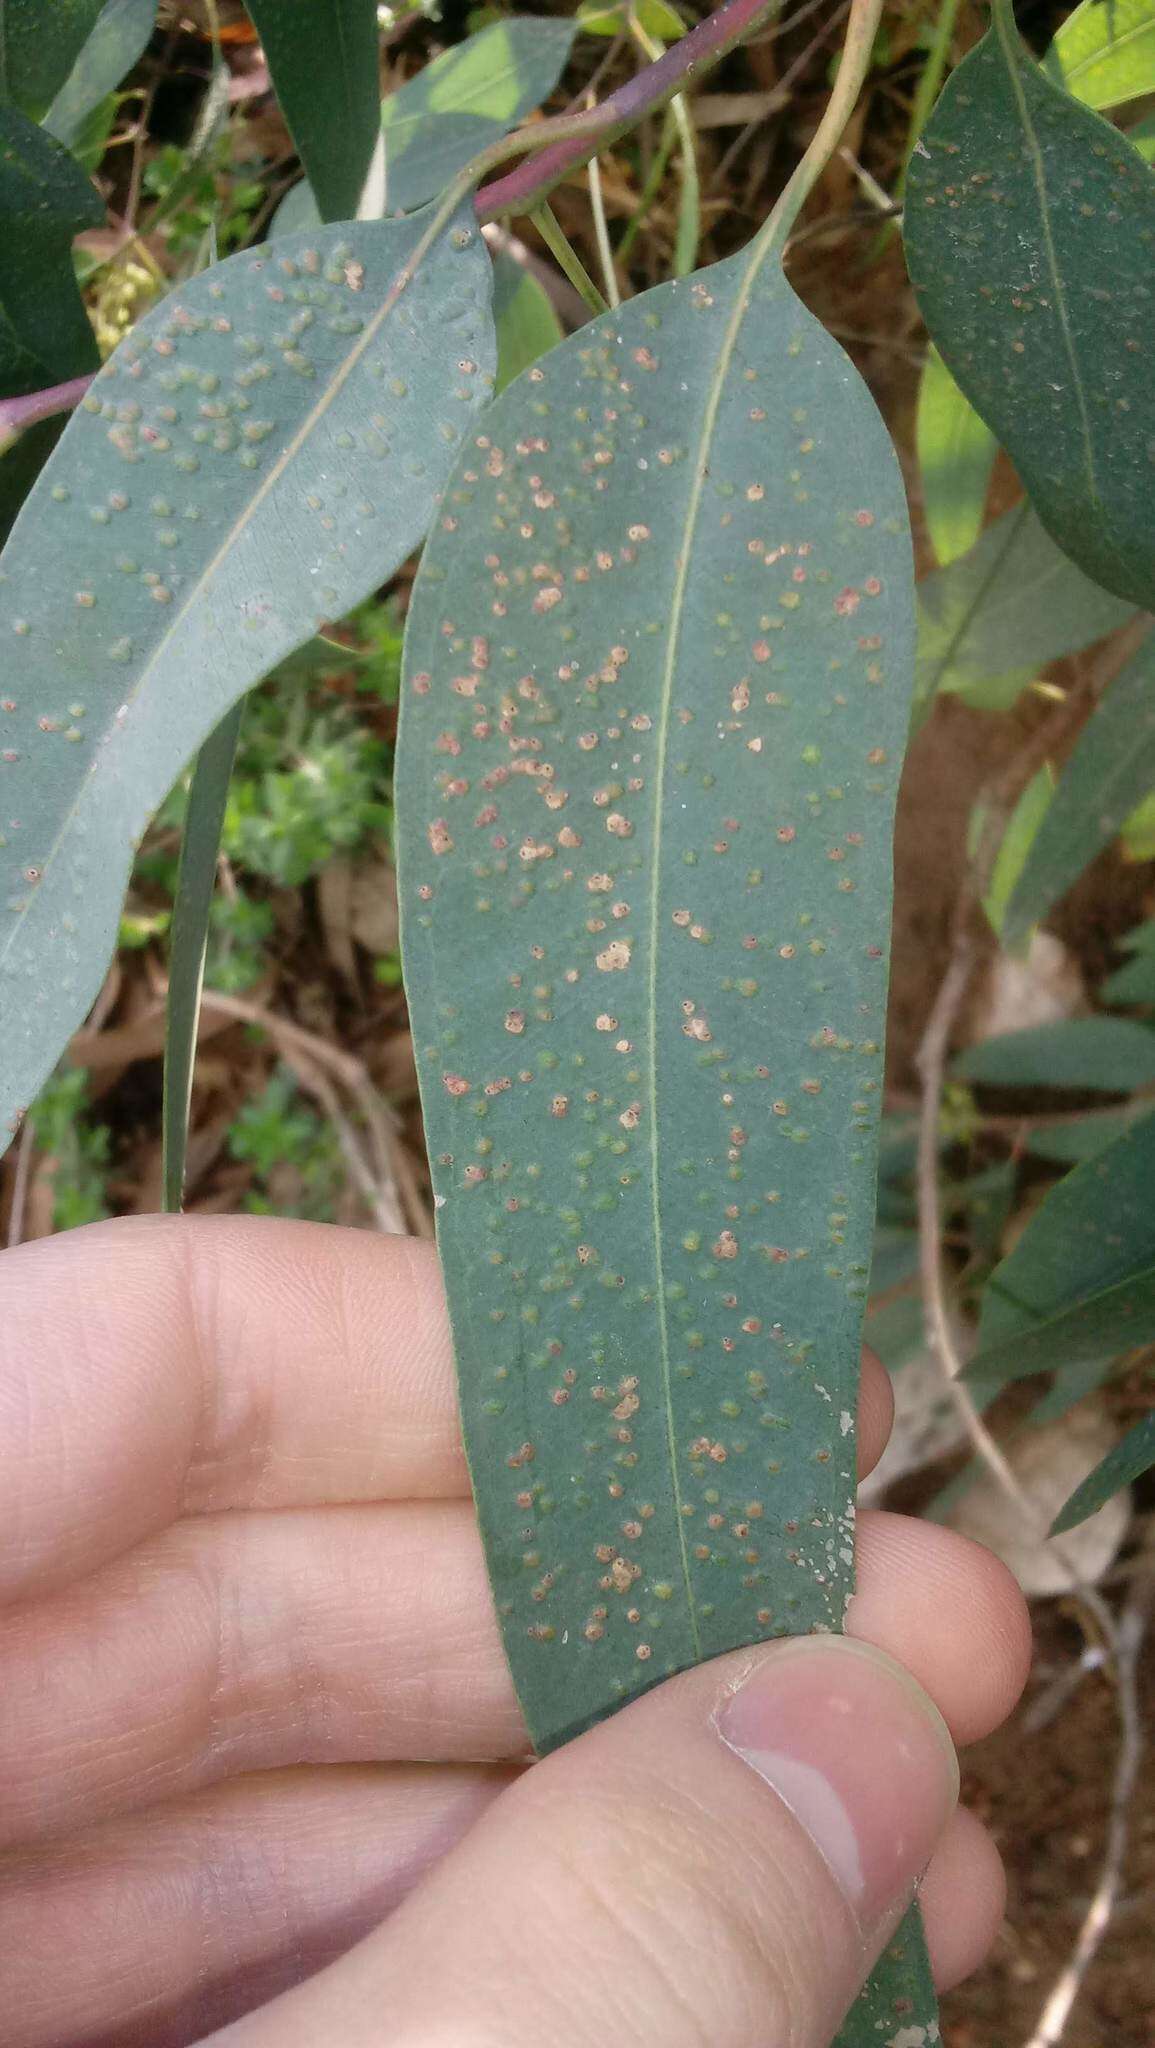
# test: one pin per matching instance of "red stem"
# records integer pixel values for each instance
(16, 413)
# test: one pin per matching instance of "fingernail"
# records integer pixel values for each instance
(860, 1756)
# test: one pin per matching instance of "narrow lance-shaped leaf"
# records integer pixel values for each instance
(45, 200)
(118, 37)
(527, 326)
(1030, 233)
(1110, 771)
(1133, 1456)
(1113, 1054)
(323, 63)
(262, 451)
(188, 939)
(1080, 1282)
(656, 685)
(438, 122)
(38, 46)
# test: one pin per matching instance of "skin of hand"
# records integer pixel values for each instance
(263, 1778)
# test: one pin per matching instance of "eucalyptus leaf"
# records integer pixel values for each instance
(527, 326)
(38, 46)
(324, 68)
(1012, 603)
(1030, 234)
(1080, 1282)
(1134, 983)
(956, 453)
(437, 122)
(1111, 1054)
(119, 35)
(260, 453)
(196, 878)
(1133, 1456)
(1111, 769)
(655, 692)
(45, 200)
(1104, 53)
(1016, 849)
(1071, 1139)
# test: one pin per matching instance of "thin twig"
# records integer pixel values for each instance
(1128, 1633)
(24, 1156)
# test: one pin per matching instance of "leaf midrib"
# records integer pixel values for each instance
(761, 249)
(1014, 56)
(197, 590)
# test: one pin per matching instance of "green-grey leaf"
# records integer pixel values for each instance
(527, 326)
(437, 122)
(994, 618)
(1134, 983)
(1111, 770)
(1113, 1054)
(261, 452)
(656, 687)
(1104, 53)
(324, 68)
(1131, 1457)
(1082, 1275)
(956, 452)
(1015, 849)
(45, 199)
(1030, 233)
(38, 46)
(196, 878)
(1071, 1139)
(118, 37)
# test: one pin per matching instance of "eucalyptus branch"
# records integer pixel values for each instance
(18, 413)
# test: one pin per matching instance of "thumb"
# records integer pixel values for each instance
(722, 1861)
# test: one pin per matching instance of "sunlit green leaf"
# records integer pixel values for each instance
(1030, 234)
(324, 68)
(1015, 850)
(1104, 52)
(1138, 831)
(1111, 769)
(262, 451)
(527, 326)
(118, 37)
(656, 687)
(1012, 603)
(437, 122)
(39, 42)
(612, 18)
(1111, 1054)
(956, 452)
(1129, 1460)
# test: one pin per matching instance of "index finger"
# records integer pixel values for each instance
(164, 1366)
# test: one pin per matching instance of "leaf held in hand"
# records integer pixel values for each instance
(1030, 232)
(229, 483)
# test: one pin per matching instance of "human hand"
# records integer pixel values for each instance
(257, 1731)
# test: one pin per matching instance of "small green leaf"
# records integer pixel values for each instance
(261, 452)
(527, 326)
(1014, 602)
(38, 47)
(324, 68)
(1133, 1456)
(1027, 820)
(118, 37)
(45, 199)
(1134, 983)
(956, 452)
(1138, 832)
(1071, 1139)
(1080, 1282)
(612, 18)
(1104, 53)
(1111, 769)
(196, 878)
(1030, 233)
(437, 122)
(1111, 1054)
